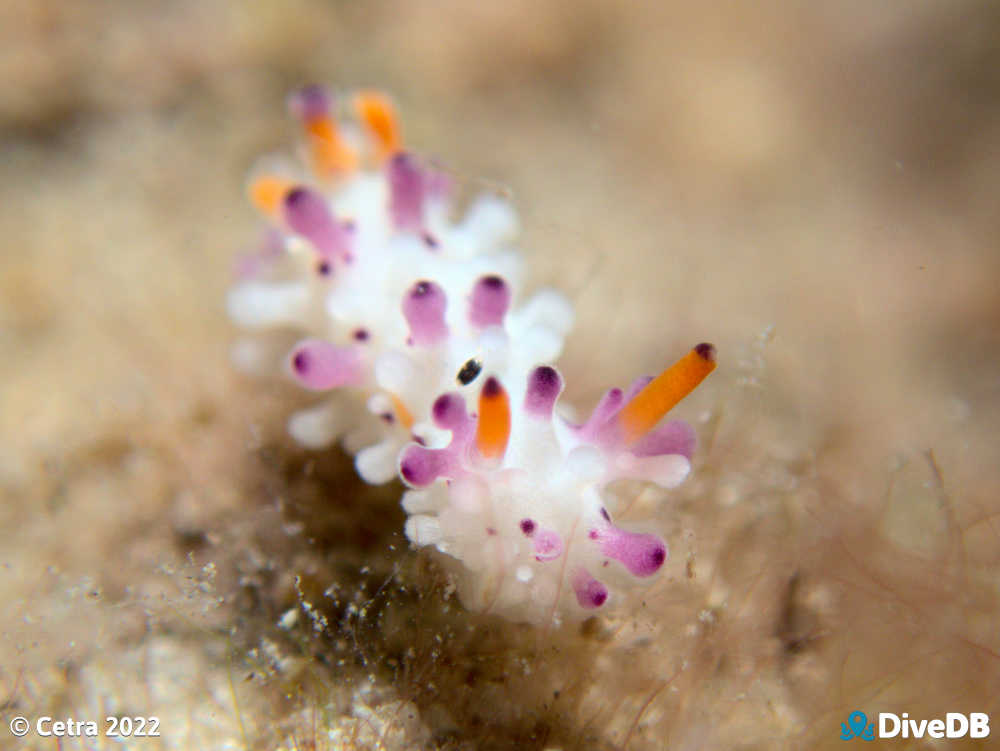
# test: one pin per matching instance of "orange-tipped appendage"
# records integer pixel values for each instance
(329, 153)
(403, 414)
(661, 394)
(378, 114)
(267, 192)
(493, 429)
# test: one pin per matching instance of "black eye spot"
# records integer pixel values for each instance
(469, 371)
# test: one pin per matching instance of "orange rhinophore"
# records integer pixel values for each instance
(378, 114)
(641, 414)
(493, 429)
(267, 192)
(329, 153)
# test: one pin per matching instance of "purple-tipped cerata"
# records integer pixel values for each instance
(544, 387)
(423, 306)
(548, 544)
(318, 365)
(309, 103)
(635, 387)
(307, 214)
(449, 411)
(606, 408)
(590, 593)
(675, 437)
(641, 554)
(406, 193)
(449, 414)
(421, 466)
(438, 185)
(601, 429)
(489, 301)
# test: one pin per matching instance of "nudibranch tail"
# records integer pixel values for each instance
(663, 393)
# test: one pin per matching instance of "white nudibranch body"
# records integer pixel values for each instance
(411, 328)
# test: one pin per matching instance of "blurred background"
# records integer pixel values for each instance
(810, 186)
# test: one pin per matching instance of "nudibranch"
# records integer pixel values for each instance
(410, 328)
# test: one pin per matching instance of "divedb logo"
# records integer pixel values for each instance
(954, 725)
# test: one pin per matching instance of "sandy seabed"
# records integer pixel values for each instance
(812, 187)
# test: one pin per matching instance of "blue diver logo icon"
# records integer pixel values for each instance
(859, 727)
